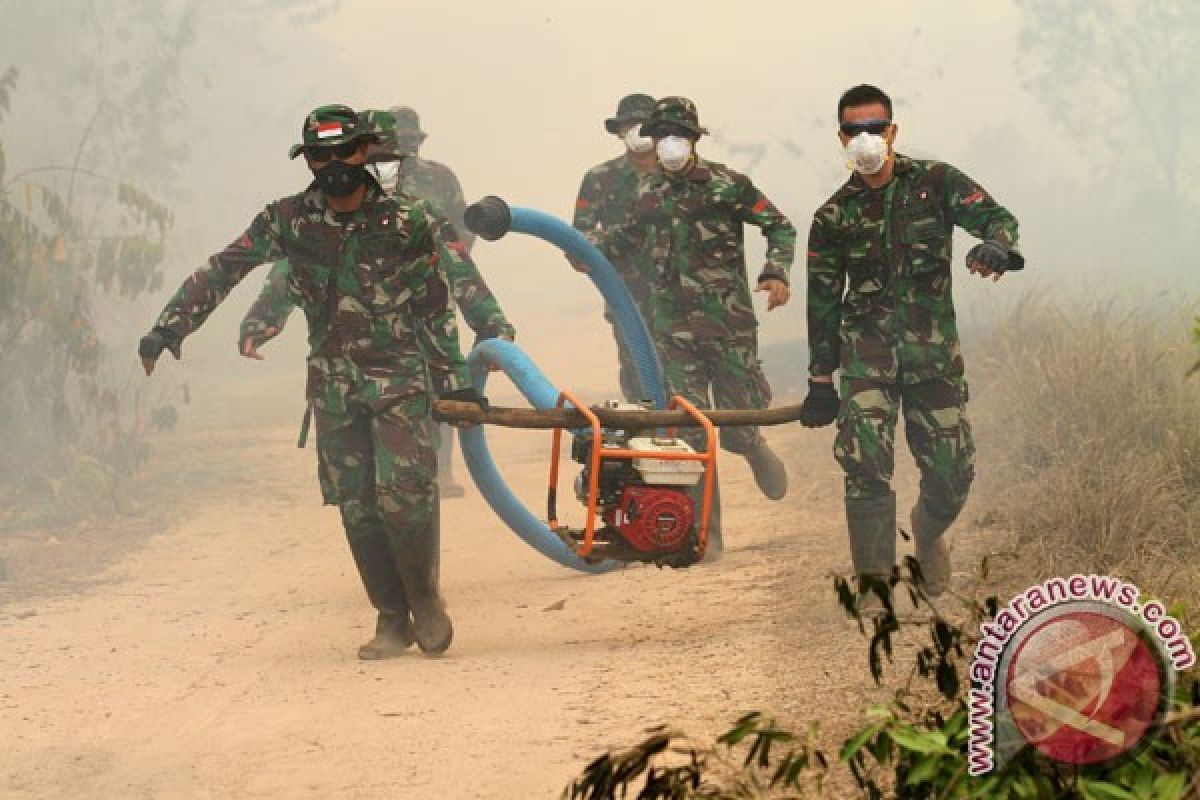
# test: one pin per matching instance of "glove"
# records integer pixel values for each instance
(821, 406)
(467, 396)
(157, 340)
(994, 256)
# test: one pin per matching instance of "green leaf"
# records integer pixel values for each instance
(856, 742)
(928, 742)
(1170, 787)
(924, 771)
(1100, 790)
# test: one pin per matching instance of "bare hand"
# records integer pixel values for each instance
(250, 347)
(777, 291)
(148, 365)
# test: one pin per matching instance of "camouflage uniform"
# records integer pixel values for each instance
(605, 200)
(482, 312)
(880, 308)
(700, 312)
(438, 186)
(382, 339)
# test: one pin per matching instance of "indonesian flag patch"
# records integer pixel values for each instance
(327, 129)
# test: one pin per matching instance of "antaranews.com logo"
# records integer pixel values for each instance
(1076, 667)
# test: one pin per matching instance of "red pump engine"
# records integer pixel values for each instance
(653, 519)
(647, 504)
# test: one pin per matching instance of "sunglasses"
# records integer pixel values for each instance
(875, 126)
(320, 155)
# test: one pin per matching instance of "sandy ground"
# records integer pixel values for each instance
(217, 658)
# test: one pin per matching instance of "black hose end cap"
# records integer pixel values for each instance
(489, 218)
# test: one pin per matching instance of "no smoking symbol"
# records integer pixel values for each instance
(1084, 687)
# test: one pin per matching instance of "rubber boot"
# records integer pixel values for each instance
(448, 486)
(872, 526)
(932, 552)
(393, 636)
(769, 472)
(377, 569)
(417, 559)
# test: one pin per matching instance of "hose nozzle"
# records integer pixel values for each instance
(489, 218)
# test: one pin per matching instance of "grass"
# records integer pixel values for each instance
(1090, 441)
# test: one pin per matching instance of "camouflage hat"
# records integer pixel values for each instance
(381, 125)
(675, 111)
(407, 121)
(329, 125)
(632, 108)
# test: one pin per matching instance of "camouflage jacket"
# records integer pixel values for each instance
(605, 200)
(888, 251)
(479, 306)
(692, 226)
(370, 284)
(437, 185)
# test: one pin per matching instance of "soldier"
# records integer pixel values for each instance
(689, 216)
(365, 270)
(394, 163)
(883, 240)
(606, 198)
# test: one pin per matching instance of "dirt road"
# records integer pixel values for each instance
(218, 659)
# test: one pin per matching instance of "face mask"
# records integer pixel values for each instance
(636, 142)
(674, 152)
(866, 153)
(387, 173)
(339, 179)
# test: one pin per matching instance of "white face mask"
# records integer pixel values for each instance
(636, 142)
(674, 152)
(387, 173)
(866, 153)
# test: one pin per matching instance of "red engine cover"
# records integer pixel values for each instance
(654, 519)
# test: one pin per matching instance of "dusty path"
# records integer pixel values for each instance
(217, 660)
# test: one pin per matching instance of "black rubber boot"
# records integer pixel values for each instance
(385, 589)
(769, 472)
(872, 526)
(393, 636)
(417, 559)
(932, 552)
(448, 486)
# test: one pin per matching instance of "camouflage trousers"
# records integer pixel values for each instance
(935, 425)
(377, 462)
(720, 373)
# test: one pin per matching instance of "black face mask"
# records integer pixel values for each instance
(339, 179)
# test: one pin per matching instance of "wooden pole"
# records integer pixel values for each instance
(542, 419)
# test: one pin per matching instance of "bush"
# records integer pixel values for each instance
(1091, 435)
(914, 748)
(73, 428)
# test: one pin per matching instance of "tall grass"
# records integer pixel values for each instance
(1089, 434)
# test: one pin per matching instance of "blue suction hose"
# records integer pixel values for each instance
(492, 218)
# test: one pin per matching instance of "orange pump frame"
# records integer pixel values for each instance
(599, 452)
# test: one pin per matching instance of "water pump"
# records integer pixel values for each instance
(647, 493)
